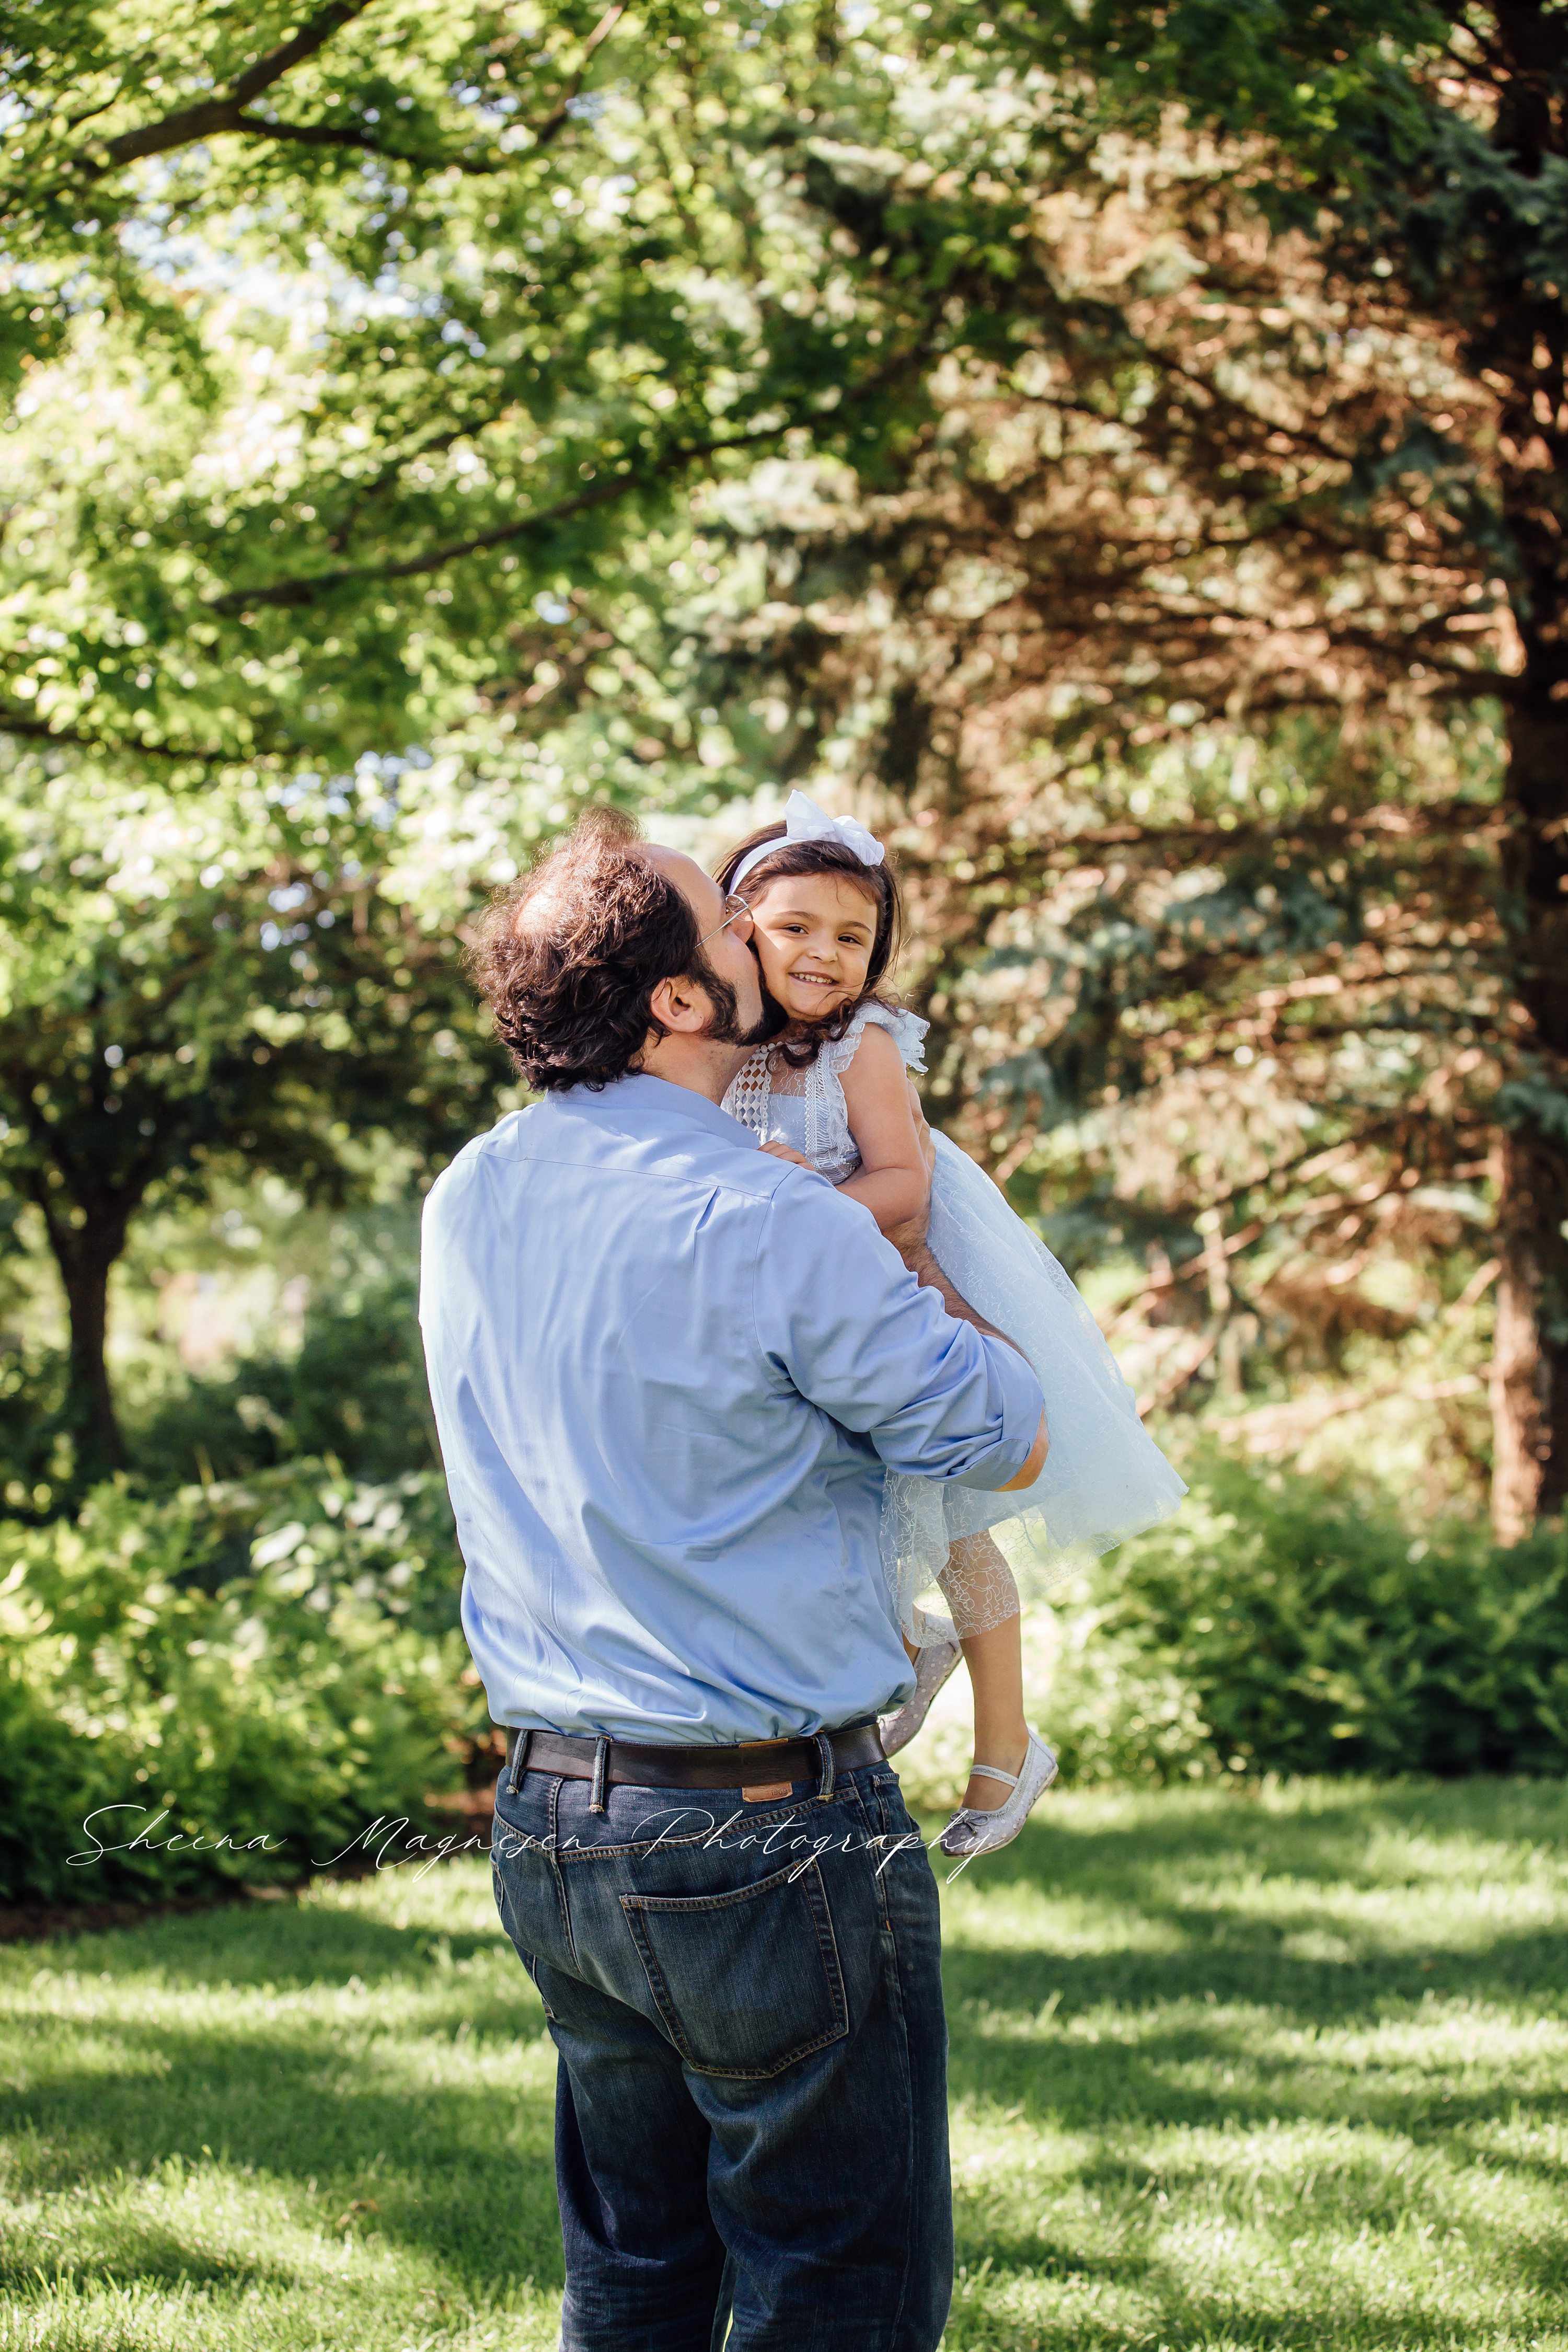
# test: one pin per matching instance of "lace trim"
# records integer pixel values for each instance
(748, 1092)
(826, 1138)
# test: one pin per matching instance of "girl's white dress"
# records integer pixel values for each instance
(1104, 1477)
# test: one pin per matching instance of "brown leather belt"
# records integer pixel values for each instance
(757, 1767)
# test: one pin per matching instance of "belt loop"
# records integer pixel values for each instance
(519, 1746)
(825, 1785)
(601, 1762)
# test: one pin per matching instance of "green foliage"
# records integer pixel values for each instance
(557, 261)
(190, 989)
(356, 1391)
(281, 1657)
(279, 1662)
(1120, 1711)
(1291, 1625)
(529, 381)
(184, 983)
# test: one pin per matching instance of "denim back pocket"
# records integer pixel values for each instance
(747, 1982)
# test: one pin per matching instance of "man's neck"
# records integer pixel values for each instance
(699, 1064)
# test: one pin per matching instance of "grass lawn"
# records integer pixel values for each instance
(1229, 2069)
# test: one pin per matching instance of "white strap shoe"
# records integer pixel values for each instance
(933, 1667)
(970, 1833)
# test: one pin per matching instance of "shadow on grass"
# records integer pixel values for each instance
(1177, 2318)
(434, 2156)
(155, 2258)
(320, 2100)
(287, 1947)
(1323, 1844)
(1206, 1947)
(1210, 2018)
(331, 2101)
(1244, 1961)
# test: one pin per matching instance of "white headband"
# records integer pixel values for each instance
(803, 821)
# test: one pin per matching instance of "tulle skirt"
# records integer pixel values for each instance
(1104, 1477)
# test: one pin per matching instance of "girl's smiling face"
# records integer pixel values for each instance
(814, 936)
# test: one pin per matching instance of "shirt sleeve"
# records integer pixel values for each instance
(842, 1318)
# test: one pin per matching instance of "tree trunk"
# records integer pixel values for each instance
(1530, 1378)
(85, 1256)
(1529, 1355)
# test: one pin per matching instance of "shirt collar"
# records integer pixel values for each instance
(653, 1104)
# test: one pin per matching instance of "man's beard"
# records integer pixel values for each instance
(725, 1024)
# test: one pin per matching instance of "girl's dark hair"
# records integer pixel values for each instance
(800, 1042)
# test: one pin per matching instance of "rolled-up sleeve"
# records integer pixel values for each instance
(840, 1317)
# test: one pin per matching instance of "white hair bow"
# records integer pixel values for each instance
(803, 821)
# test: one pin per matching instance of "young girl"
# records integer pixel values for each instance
(830, 1091)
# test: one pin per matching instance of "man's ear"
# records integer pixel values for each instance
(680, 1005)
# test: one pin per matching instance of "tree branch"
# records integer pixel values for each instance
(292, 593)
(213, 115)
(212, 118)
(433, 445)
(15, 723)
(554, 122)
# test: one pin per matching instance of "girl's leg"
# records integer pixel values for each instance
(978, 1584)
(995, 1662)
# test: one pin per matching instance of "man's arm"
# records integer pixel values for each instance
(838, 1313)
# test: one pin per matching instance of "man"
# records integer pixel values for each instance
(667, 1371)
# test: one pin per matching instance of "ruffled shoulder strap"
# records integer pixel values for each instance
(907, 1030)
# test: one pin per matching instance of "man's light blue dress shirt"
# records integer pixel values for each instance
(667, 1371)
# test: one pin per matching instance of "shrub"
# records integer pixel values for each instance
(280, 1658)
(1289, 1624)
(1112, 1711)
(1116, 1710)
(277, 1661)
(356, 1391)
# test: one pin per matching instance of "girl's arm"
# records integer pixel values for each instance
(892, 1182)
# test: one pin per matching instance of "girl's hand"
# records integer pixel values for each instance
(784, 1151)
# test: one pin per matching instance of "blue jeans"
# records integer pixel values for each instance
(751, 2117)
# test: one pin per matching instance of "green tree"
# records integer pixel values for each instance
(1421, 155)
(1123, 371)
(195, 988)
(1263, 418)
(387, 322)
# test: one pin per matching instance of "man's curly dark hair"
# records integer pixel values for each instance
(569, 956)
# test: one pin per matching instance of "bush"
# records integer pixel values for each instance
(278, 1661)
(280, 1658)
(1287, 1624)
(356, 1391)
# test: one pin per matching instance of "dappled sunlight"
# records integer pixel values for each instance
(1282, 2068)
(1184, 2112)
(298, 2110)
